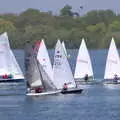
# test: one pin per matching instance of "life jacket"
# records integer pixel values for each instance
(39, 90)
(5, 76)
(65, 86)
(10, 76)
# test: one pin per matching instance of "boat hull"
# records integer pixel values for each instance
(112, 85)
(11, 80)
(43, 93)
(111, 81)
(81, 81)
(72, 91)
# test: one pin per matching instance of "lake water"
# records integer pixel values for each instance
(96, 103)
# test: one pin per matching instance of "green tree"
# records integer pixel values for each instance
(6, 26)
(115, 26)
(66, 10)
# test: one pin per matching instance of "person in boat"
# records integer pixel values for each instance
(5, 76)
(10, 76)
(65, 87)
(116, 78)
(39, 90)
(86, 78)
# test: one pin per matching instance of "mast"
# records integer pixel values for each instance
(38, 65)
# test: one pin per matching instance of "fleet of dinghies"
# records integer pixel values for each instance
(62, 73)
(37, 83)
(41, 78)
(9, 67)
(44, 79)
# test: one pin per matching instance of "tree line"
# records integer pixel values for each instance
(96, 26)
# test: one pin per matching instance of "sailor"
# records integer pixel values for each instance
(39, 90)
(10, 76)
(115, 78)
(65, 87)
(86, 78)
(5, 76)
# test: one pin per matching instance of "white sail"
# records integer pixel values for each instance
(63, 44)
(112, 62)
(44, 60)
(3, 60)
(4, 39)
(14, 68)
(61, 69)
(5, 54)
(83, 62)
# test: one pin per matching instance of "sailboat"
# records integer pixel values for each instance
(83, 65)
(33, 75)
(62, 72)
(9, 70)
(112, 65)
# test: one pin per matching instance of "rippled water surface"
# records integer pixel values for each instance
(97, 102)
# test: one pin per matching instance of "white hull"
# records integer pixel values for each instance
(44, 93)
(91, 81)
(112, 85)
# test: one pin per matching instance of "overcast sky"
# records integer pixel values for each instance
(17, 6)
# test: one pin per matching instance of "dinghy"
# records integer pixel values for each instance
(34, 77)
(9, 68)
(62, 72)
(83, 67)
(112, 66)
